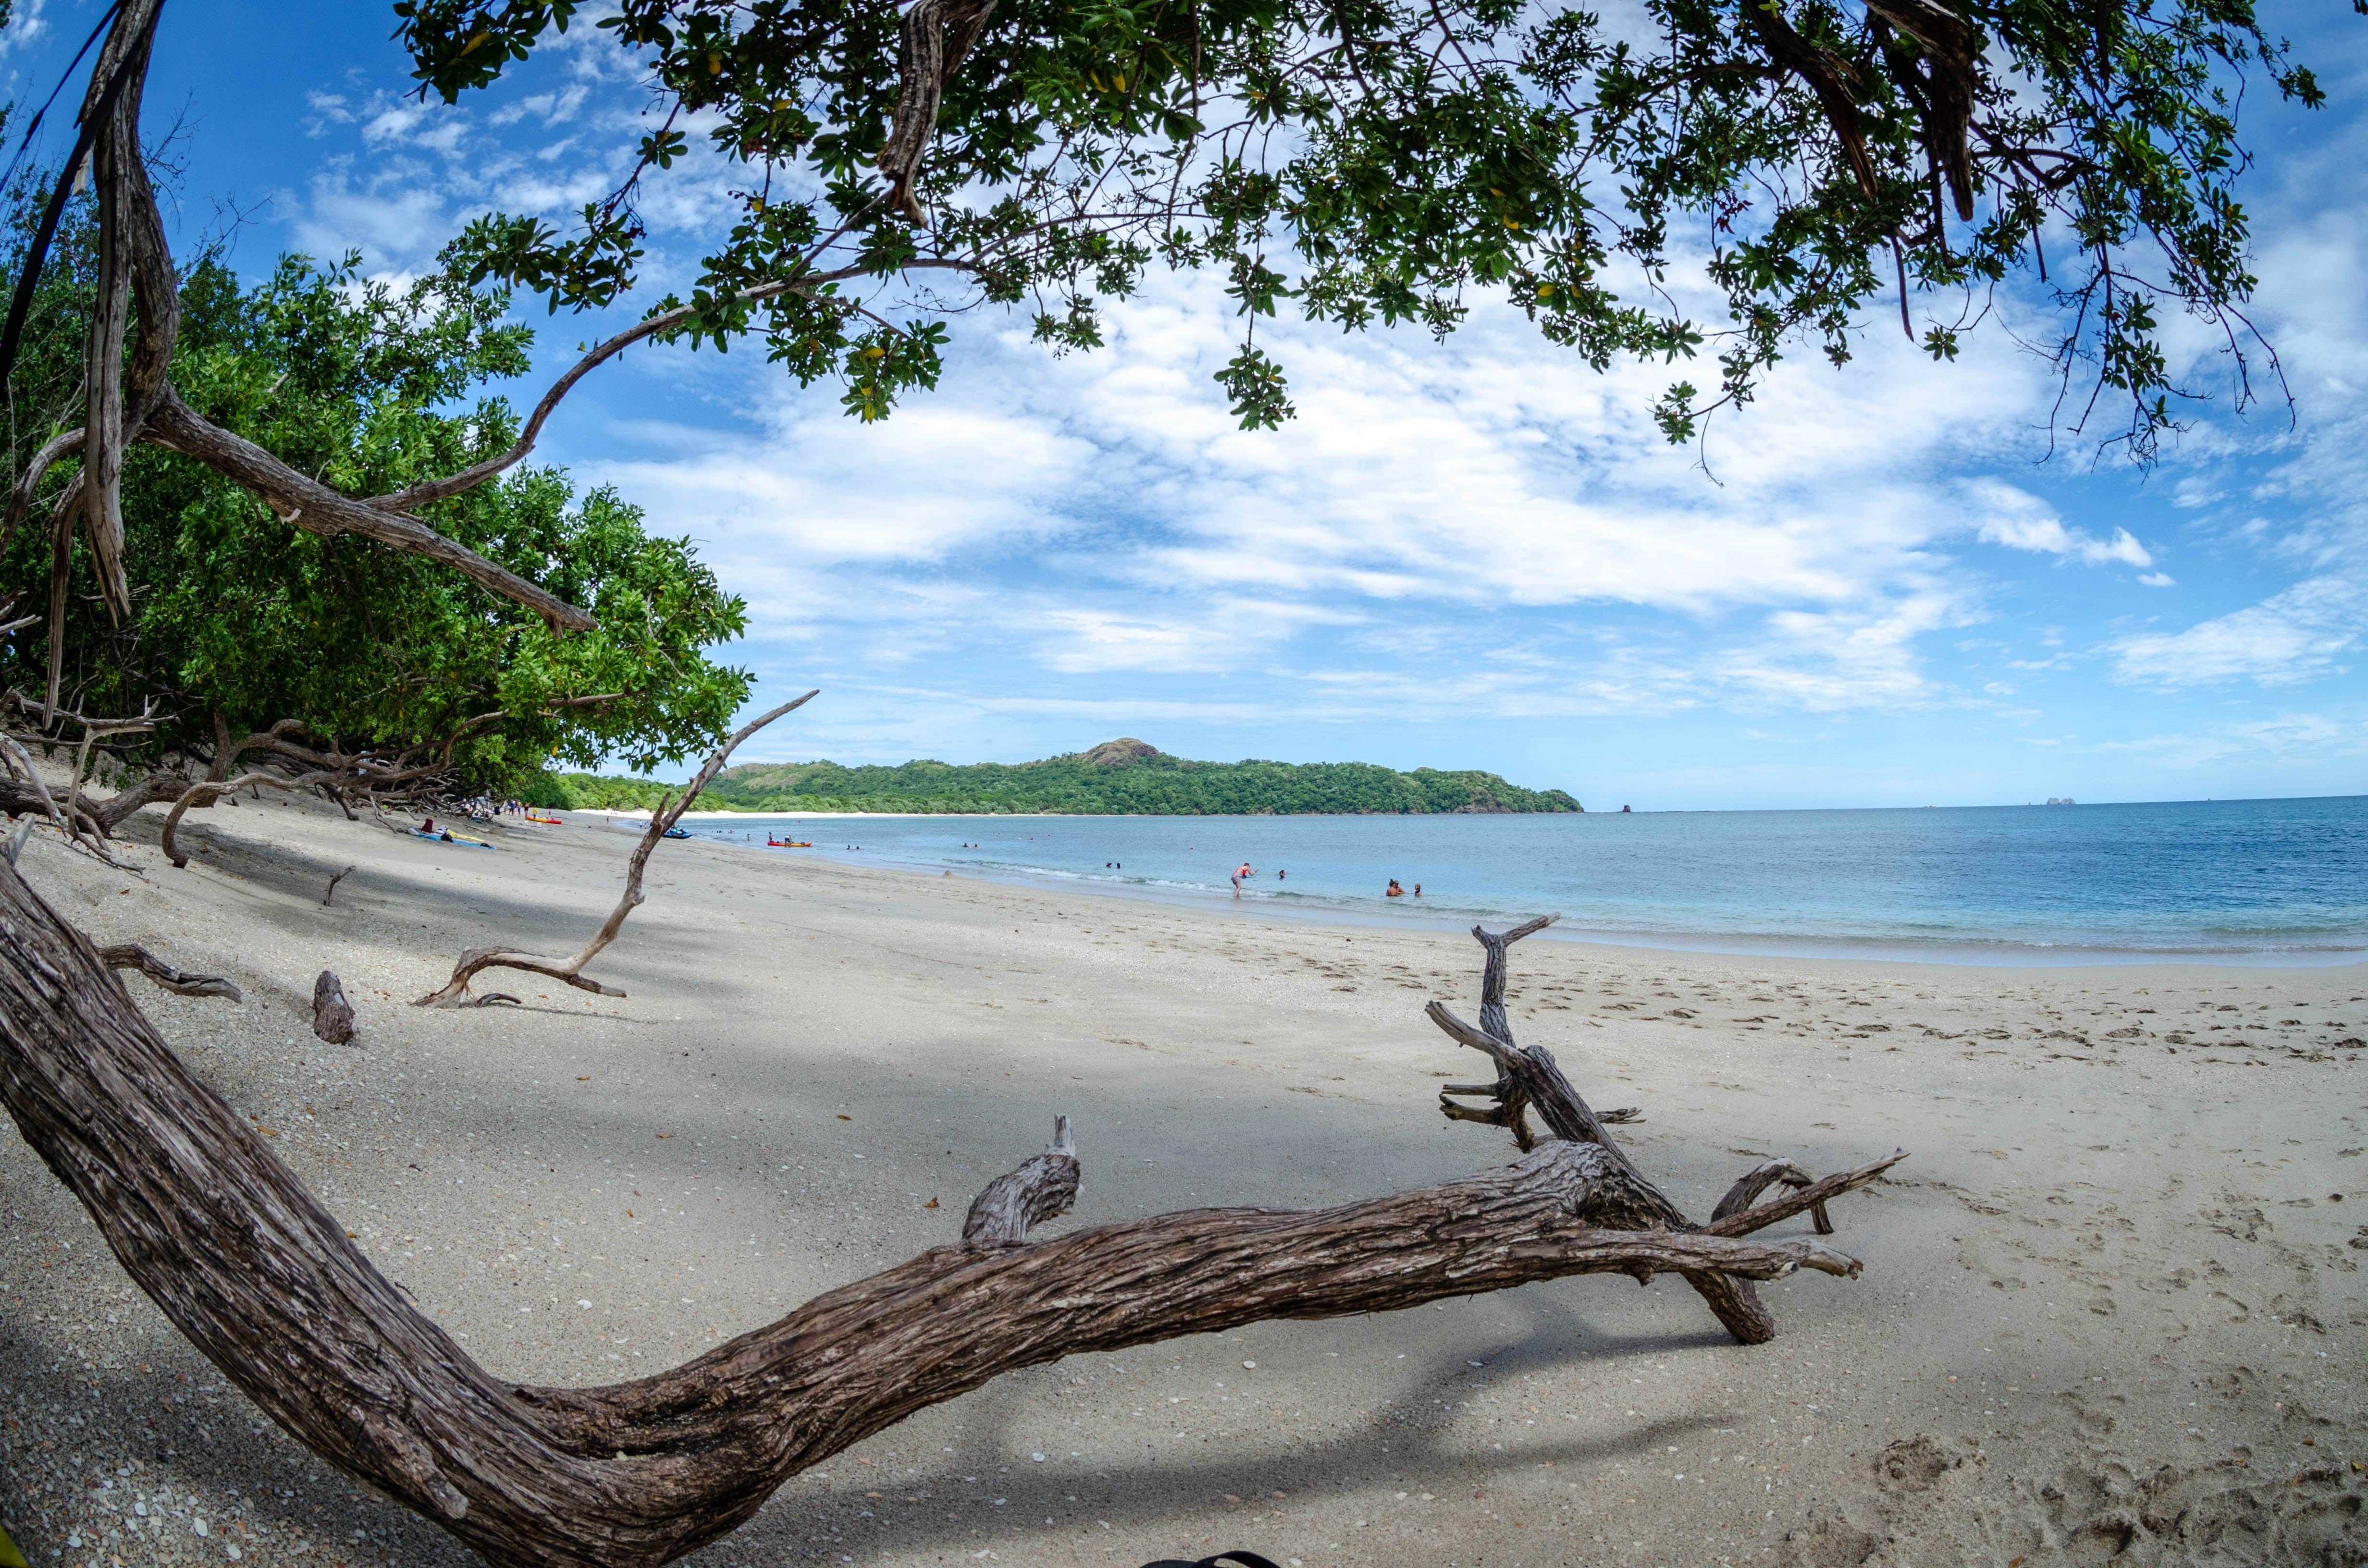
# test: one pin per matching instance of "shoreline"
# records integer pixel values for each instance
(1966, 953)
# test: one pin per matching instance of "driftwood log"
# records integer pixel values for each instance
(1528, 1078)
(454, 992)
(263, 1280)
(132, 955)
(333, 1016)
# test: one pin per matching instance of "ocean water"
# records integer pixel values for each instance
(2248, 881)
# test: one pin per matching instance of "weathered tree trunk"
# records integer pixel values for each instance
(240, 1257)
(454, 992)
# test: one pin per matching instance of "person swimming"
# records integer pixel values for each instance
(1417, 889)
(1394, 891)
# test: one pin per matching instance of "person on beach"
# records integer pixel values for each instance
(1245, 870)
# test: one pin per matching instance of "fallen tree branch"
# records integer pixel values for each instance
(1528, 1078)
(265, 1282)
(132, 955)
(332, 891)
(454, 992)
(207, 791)
(15, 798)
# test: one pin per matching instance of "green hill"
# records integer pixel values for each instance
(1121, 777)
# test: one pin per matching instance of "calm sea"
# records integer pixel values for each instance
(2260, 881)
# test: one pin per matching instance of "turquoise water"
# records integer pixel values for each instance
(2262, 881)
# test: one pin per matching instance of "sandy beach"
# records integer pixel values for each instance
(2113, 1306)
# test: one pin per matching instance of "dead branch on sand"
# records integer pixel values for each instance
(132, 955)
(1527, 1078)
(263, 1280)
(476, 960)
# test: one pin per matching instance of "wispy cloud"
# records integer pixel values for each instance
(1448, 534)
(2300, 634)
(2020, 520)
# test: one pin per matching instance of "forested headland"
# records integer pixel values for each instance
(1121, 777)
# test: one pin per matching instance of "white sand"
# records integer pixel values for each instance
(2112, 1303)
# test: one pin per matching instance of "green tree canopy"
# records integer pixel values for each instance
(1121, 777)
(1388, 160)
(238, 612)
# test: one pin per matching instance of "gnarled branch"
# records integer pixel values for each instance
(316, 508)
(265, 1282)
(454, 992)
(1012, 1205)
(132, 955)
(1528, 1077)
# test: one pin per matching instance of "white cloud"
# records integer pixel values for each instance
(2297, 635)
(26, 28)
(2021, 520)
(1420, 485)
(1822, 661)
(1219, 635)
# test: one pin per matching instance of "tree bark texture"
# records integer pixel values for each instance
(244, 1260)
(333, 1016)
(150, 788)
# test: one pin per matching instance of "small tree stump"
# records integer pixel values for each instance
(333, 1016)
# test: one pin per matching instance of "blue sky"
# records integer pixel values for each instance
(1873, 587)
